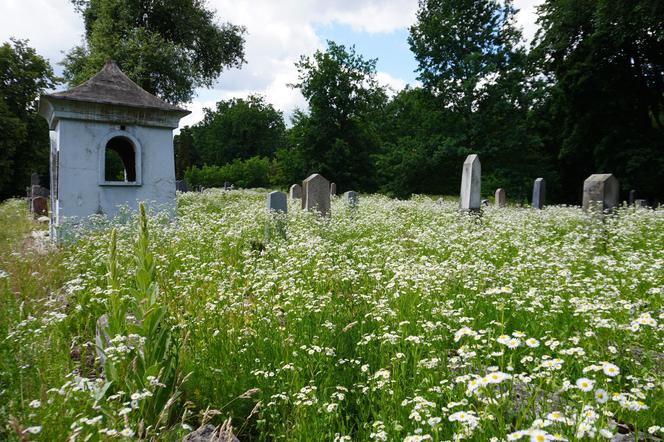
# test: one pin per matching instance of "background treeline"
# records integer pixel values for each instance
(586, 96)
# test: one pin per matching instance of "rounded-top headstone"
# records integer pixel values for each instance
(333, 189)
(295, 191)
(500, 197)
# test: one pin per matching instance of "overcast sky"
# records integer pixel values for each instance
(278, 32)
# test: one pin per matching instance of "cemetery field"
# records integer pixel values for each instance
(399, 321)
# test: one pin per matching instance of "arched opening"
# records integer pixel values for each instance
(120, 160)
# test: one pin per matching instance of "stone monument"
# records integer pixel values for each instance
(600, 192)
(295, 191)
(500, 198)
(471, 180)
(316, 194)
(539, 193)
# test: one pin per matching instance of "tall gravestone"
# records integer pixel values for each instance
(600, 192)
(539, 193)
(316, 194)
(471, 180)
(333, 189)
(500, 197)
(34, 179)
(295, 191)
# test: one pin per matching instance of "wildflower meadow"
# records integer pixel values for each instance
(391, 321)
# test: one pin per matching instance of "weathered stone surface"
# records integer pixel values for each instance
(640, 203)
(333, 189)
(600, 192)
(181, 186)
(352, 198)
(37, 190)
(632, 197)
(277, 202)
(102, 339)
(316, 194)
(43, 219)
(539, 193)
(500, 197)
(40, 206)
(471, 181)
(210, 433)
(295, 191)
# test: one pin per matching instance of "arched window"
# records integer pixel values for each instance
(120, 160)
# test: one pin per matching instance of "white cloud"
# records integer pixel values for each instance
(52, 26)
(527, 16)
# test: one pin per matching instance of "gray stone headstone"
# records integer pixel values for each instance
(600, 192)
(539, 193)
(227, 185)
(34, 179)
(181, 186)
(316, 194)
(352, 198)
(500, 197)
(632, 197)
(641, 203)
(471, 180)
(333, 189)
(277, 202)
(295, 191)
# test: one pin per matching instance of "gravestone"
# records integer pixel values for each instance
(600, 192)
(227, 185)
(641, 203)
(539, 193)
(34, 179)
(333, 189)
(277, 202)
(632, 197)
(181, 186)
(295, 191)
(471, 180)
(485, 203)
(277, 206)
(39, 206)
(352, 198)
(500, 197)
(316, 194)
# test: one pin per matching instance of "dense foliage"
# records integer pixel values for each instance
(24, 142)
(586, 97)
(398, 321)
(168, 48)
(252, 172)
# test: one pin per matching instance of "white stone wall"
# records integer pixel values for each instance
(81, 191)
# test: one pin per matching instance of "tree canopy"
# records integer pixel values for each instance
(24, 144)
(169, 48)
